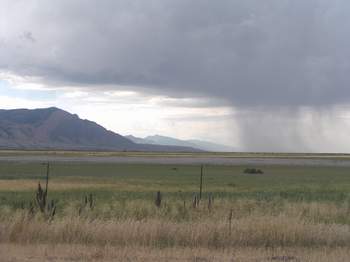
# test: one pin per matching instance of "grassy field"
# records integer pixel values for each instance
(289, 212)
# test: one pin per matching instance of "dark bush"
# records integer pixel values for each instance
(253, 171)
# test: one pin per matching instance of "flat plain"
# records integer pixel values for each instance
(294, 211)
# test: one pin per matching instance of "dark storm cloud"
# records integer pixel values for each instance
(251, 53)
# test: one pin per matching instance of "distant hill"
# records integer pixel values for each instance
(53, 128)
(169, 141)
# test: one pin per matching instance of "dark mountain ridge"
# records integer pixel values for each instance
(53, 128)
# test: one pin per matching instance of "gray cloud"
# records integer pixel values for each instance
(253, 52)
(28, 36)
(268, 59)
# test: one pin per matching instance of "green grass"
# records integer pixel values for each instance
(122, 181)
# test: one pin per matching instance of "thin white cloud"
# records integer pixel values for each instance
(8, 102)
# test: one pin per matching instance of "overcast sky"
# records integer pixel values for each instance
(268, 75)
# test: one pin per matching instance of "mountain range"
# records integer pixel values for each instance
(53, 128)
(169, 141)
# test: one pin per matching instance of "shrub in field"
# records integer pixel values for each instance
(48, 208)
(195, 201)
(253, 171)
(158, 200)
(41, 196)
(210, 201)
(88, 203)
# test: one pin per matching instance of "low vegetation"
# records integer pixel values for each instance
(290, 212)
(253, 171)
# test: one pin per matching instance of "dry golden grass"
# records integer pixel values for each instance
(248, 231)
(259, 232)
(60, 253)
(76, 183)
(58, 185)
